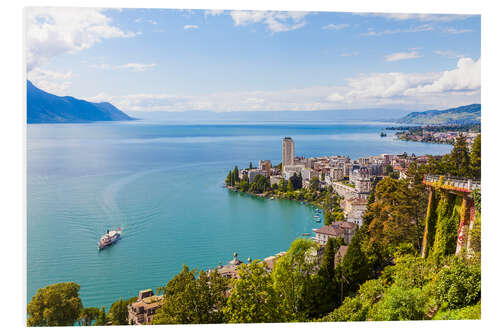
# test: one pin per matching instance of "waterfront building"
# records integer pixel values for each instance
(254, 172)
(231, 269)
(363, 185)
(275, 180)
(344, 230)
(336, 173)
(142, 311)
(354, 209)
(265, 165)
(287, 152)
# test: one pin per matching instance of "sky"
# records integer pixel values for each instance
(179, 60)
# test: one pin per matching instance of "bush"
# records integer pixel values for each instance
(459, 285)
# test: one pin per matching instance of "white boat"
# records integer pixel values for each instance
(109, 238)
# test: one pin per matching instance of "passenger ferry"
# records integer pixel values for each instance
(109, 238)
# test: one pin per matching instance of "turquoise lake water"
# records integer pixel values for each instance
(162, 184)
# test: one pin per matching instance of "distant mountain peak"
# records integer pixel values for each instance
(43, 107)
(467, 114)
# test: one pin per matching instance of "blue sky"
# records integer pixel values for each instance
(174, 60)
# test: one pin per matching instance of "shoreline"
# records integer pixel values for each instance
(274, 196)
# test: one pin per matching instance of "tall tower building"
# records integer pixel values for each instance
(287, 152)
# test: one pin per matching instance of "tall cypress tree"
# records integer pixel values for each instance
(459, 158)
(475, 158)
(101, 319)
(236, 174)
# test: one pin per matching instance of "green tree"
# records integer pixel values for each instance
(236, 174)
(101, 318)
(88, 315)
(459, 284)
(192, 298)
(252, 298)
(289, 186)
(55, 305)
(314, 184)
(459, 160)
(354, 267)
(328, 261)
(388, 170)
(475, 158)
(118, 312)
(292, 277)
(328, 218)
(296, 181)
(399, 303)
(250, 166)
(229, 178)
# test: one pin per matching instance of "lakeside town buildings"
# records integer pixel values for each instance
(141, 312)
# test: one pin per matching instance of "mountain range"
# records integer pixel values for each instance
(43, 107)
(467, 114)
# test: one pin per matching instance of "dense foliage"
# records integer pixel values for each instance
(55, 305)
(193, 297)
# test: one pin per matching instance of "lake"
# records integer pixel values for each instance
(163, 185)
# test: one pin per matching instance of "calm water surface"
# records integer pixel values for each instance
(162, 184)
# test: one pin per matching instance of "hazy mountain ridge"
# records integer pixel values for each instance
(43, 107)
(467, 114)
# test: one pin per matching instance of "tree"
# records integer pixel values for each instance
(88, 315)
(400, 304)
(354, 267)
(314, 184)
(475, 158)
(388, 170)
(289, 186)
(459, 284)
(101, 318)
(328, 218)
(292, 278)
(296, 181)
(118, 312)
(229, 178)
(459, 160)
(192, 298)
(252, 298)
(328, 262)
(250, 166)
(236, 174)
(55, 305)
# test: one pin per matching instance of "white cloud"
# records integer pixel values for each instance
(420, 28)
(214, 12)
(190, 27)
(332, 26)
(136, 67)
(455, 31)
(448, 54)
(458, 86)
(54, 31)
(465, 78)
(402, 56)
(140, 19)
(419, 17)
(53, 82)
(275, 21)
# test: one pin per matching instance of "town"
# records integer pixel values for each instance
(438, 134)
(350, 180)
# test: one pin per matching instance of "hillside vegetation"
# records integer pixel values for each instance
(468, 114)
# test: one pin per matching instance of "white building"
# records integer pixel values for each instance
(287, 152)
(254, 172)
(336, 173)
